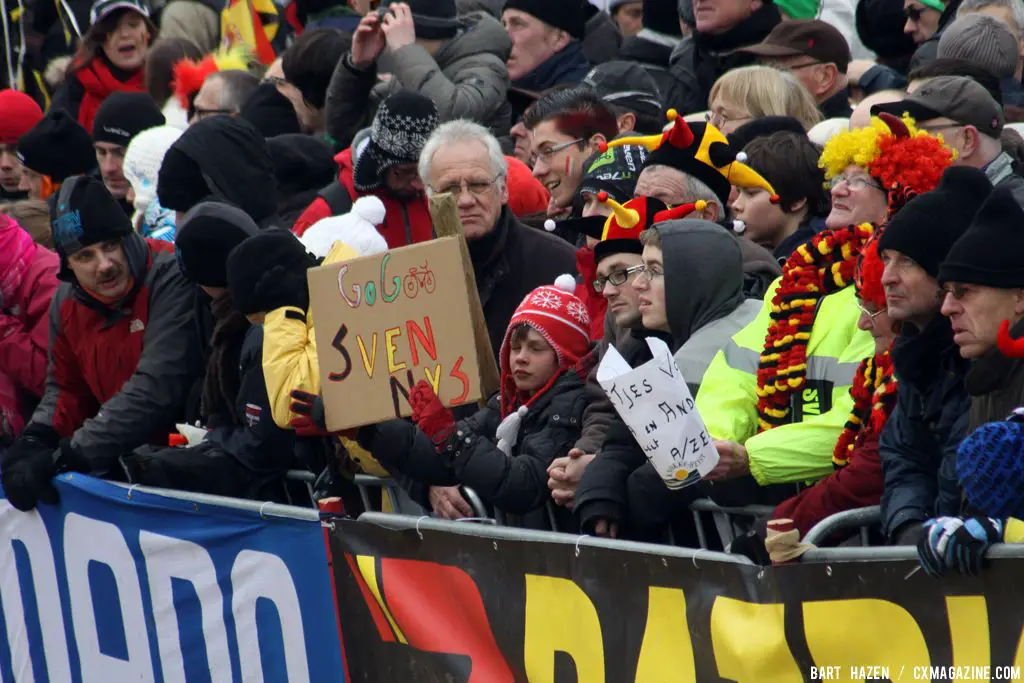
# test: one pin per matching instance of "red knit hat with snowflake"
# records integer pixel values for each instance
(559, 316)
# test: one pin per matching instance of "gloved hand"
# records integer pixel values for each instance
(429, 414)
(29, 466)
(280, 287)
(70, 459)
(957, 542)
(311, 420)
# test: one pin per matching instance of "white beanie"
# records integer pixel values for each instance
(357, 229)
(143, 159)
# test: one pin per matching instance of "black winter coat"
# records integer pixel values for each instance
(517, 485)
(919, 443)
(701, 59)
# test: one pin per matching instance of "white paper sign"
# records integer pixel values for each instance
(655, 403)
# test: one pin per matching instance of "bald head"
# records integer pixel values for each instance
(861, 116)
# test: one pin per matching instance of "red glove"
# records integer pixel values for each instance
(311, 420)
(429, 414)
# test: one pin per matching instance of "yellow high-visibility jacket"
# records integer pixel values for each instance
(290, 362)
(802, 450)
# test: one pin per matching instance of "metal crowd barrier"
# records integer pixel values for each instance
(411, 523)
(861, 518)
(725, 519)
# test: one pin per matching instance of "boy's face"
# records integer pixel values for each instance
(650, 286)
(532, 362)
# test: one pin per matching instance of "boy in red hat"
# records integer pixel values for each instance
(503, 451)
(19, 114)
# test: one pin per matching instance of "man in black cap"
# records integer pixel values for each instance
(969, 120)
(918, 446)
(120, 118)
(221, 158)
(982, 279)
(817, 54)
(53, 151)
(546, 47)
(458, 62)
(123, 348)
(631, 94)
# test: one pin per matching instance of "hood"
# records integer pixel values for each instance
(703, 274)
(301, 163)
(646, 52)
(235, 163)
(491, 7)
(483, 35)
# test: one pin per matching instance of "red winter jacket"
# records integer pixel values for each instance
(119, 377)
(28, 280)
(404, 222)
(859, 484)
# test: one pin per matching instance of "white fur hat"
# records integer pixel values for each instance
(357, 229)
(143, 159)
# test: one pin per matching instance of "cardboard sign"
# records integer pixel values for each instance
(655, 403)
(385, 322)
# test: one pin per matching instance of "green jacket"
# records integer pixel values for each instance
(802, 450)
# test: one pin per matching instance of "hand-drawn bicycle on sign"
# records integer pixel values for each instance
(419, 278)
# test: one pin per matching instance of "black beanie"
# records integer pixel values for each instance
(662, 16)
(880, 28)
(301, 163)
(928, 225)
(58, 147)
(256, 256)
(270, 112)
(123, 115)
(434, 19)
(763, 126)
(180, 184)
(205, 238)
(86, 213)
(563, 14)
(991, 252)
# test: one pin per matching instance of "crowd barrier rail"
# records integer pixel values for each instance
(124, 583)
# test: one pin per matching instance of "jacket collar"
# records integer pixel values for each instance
(555, 70)
(918, 355)
(751, 30)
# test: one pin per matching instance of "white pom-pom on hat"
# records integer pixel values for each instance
(741, 157)
(370, 208)
(566, 283)
(549, 225)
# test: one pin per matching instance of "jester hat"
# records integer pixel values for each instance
(620, 232)
(702, 151)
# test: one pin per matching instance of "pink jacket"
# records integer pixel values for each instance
(28, 280)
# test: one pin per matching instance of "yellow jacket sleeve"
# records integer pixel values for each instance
(289, 360)
(727, 398)
(1013, 531)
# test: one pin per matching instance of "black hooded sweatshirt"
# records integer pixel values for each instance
(230, 157)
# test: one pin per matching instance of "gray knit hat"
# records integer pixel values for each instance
(982, 40)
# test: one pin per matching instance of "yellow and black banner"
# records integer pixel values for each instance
(427, 605)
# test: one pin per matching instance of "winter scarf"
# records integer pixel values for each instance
(99, 83)
(874, 397)
(222, 383)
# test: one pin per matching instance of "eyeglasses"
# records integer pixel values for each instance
(199, 114)
(854, 182)
(477, 188)
(871, 315)
(650, 273)
(797, 67)
(956, 289)
(617, 278)
(720, 118)
(548, 153)
(934, 127)
(913, 13)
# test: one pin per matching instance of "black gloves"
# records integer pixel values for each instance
(309, 408)
(29, 468)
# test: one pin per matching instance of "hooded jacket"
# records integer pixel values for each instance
(653, 55)
(405, 221)
(303, 165)
(234, 161)
(118, 377)
(28, 280)
(702, 58)
(704, 305)
(601, 36)
(466, 79)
